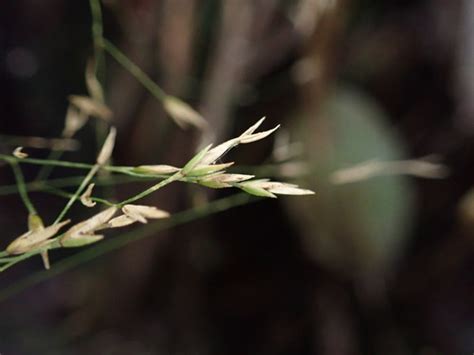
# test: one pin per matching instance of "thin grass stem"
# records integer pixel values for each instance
(134, 69)
(152, 189)
(61, 193)
(78, 192)
(20, 181)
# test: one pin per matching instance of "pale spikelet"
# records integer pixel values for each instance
(289, 189)
(121, 221)
(156, 169)
(183, 114)
(213, 184)
(201, 170)
(34, 239)
(254, 127)
(141, 213)
(257, 136)
(74, 121)
(230, 178)
(247, 137)
(222, 180)
(218, 151)
(107, 148)
(18, 153)
(89, 226)
(86, 196)
(256, 187)
(91, 107)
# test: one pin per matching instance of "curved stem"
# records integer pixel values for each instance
(61, 193)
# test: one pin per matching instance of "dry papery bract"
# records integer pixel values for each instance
(18, 152)
(34, 238)
(91, 107)
(89, 226)
(86, 196)
(182, 113)
(141, 213)
(79, 111)
(85, 232)
(106, 151)
(247, 137)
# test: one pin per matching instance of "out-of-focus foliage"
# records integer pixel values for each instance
(358, 227)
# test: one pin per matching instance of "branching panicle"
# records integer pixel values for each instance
(201, 169)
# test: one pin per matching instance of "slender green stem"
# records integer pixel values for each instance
(6, 260)
(20, 181)
(79, 190)
(152, 189)
(97, 31)
(16, 260)
(62, 193)
(127, 170)
(65, 164)
(72, 181)
(139, 74)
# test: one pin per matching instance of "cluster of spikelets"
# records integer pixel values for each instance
(202, 169)
(83, 233)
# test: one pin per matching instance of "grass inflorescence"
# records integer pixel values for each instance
(205, 168)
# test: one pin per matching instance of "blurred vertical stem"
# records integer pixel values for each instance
(133, 69)
(20, 181)
(99, 71)
(97, 31)
(97, 37)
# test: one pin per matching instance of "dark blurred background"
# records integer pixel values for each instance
(379, 266)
